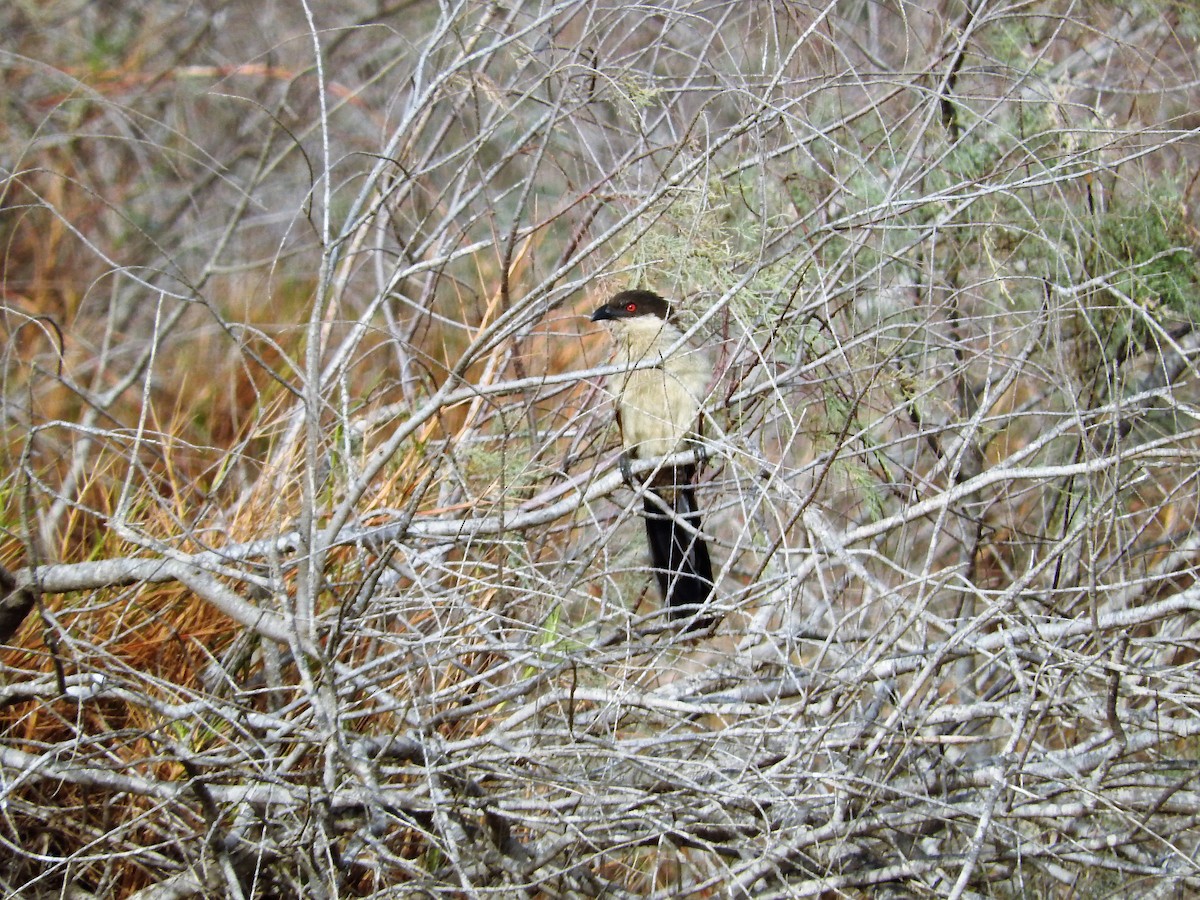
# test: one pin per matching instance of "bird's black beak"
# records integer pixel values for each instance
(601, 314)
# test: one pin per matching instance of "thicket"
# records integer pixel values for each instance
(320, 579)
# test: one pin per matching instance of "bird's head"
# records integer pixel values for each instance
(632, 305)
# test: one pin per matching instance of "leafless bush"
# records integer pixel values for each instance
(321, 578)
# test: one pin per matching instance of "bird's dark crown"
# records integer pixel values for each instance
(629, 304)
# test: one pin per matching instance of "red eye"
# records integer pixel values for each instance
(630, 307)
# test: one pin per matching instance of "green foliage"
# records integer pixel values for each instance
(1183, 14)
(639, 92)
(1145, 243)
(504, 467)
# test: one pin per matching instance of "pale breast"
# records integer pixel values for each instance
(660, 409)
(660, 406)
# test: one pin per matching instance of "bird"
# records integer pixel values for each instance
(658, 400)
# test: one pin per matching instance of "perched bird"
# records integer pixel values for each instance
(658, 401)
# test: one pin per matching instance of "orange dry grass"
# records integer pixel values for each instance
(155, 641)
(184, 463)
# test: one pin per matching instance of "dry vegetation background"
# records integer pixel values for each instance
(321, 580)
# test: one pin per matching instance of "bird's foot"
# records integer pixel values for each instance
(625, 464)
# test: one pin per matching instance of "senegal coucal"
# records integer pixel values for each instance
(658, 401)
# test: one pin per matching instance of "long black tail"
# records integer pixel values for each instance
(677, 552)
